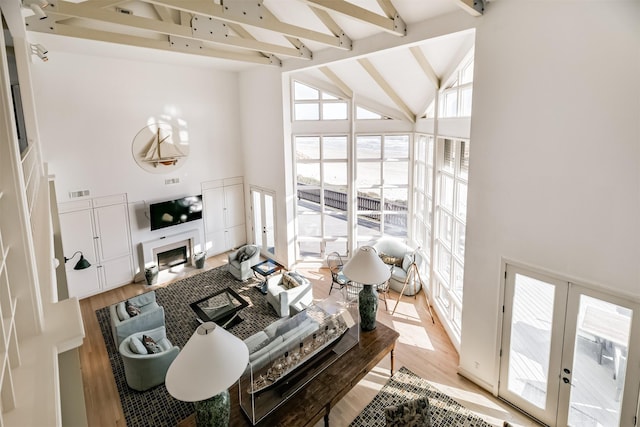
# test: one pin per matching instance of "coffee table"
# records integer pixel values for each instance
(221, 307)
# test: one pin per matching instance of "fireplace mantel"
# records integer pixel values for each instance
(150, 247)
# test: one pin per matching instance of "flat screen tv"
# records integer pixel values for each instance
(174, 212)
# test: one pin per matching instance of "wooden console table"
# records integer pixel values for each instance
(314, 401)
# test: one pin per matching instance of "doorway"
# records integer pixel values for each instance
(264, 214)
(569, 353)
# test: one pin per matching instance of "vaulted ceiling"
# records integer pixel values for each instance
(334, 43)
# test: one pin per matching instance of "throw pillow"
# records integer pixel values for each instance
(242, 255)
(412, 413)
(132, 310)
(250, 251)
(391, 260)
(121, 311)
(150, 344)
(289, 282)
(136, 346)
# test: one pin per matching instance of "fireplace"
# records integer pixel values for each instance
(172, 257)
(170, 251)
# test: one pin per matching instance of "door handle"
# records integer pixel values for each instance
(567, 381)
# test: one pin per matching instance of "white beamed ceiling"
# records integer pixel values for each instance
(96, 28)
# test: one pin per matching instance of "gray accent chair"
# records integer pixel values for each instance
(123, 325)
(141, 369)
(398, 249)
(241, 261)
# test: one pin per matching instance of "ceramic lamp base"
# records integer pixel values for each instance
(214, 412)
(368, 307)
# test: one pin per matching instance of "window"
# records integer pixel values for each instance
(450, 226)
(322, 189)
(382, 185)
(455, 100)
(313, 104)
(423, 199)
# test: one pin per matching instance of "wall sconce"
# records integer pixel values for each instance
(40, 51)
(82, 262)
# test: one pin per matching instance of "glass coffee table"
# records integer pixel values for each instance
(221, 307)
(265, 269)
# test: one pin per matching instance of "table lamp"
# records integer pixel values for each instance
(367, 268)
(210, 362)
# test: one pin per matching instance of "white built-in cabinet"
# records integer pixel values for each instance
(99, 228)
(224, 218)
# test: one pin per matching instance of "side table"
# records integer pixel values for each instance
(265, 269)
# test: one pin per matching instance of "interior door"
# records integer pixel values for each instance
(569, 356)
(263, 208)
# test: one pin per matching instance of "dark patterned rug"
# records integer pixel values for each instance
(405, 385)
(155, 407)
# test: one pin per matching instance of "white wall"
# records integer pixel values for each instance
(555, 154)
(90, 108)
(267, 152)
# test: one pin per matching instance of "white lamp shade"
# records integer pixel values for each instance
(366, 267)
(210, 362)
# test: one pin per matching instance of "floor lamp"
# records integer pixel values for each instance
(412, 272)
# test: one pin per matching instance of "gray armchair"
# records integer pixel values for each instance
(241, 261)
(151, 316)
(141, 369)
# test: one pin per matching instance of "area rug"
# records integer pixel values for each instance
(405, 385)
(155, 407)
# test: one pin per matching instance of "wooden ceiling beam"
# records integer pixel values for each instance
(472, 7)
(384, 85)
(419, 56)
(78, 10)
(163, 13)
(394, 25)
(233, 13)
(165, 45)
(337, 81)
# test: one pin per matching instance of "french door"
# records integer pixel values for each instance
(570, 354)
(264, 215)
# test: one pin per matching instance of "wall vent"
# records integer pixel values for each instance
(170, 181)
(124, 11)
(76, 194)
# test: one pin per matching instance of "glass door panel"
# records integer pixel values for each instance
(256, 201)
(597, 349)
(534, 308)
(269, 224)
(262, 204)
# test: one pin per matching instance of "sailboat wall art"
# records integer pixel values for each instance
(157, 148)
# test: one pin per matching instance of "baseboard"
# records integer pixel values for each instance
(478, 381)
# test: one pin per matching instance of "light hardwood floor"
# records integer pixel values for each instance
(423, 347)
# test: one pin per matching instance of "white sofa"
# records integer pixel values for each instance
(397, 248)
(287, 301)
